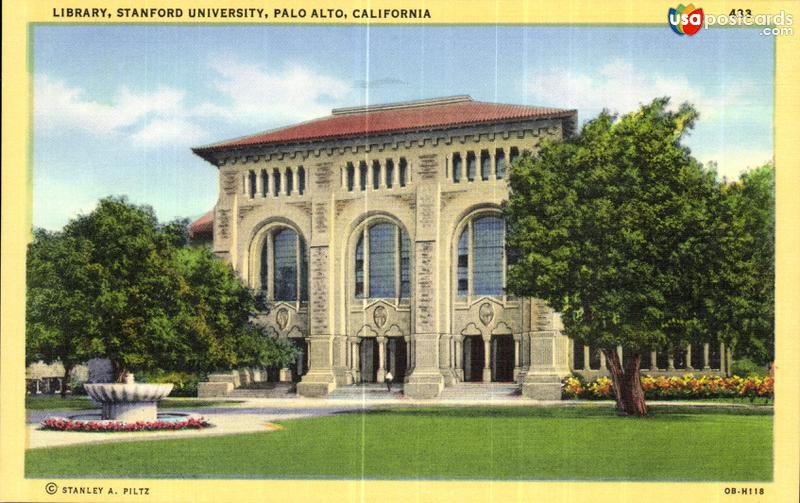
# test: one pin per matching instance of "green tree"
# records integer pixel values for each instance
(138, 297)
(56, 265)
(613, 229)
(742, 303)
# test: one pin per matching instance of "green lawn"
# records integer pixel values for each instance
(588, 443)
(56, 403)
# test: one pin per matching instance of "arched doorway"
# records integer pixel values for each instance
(397, 358)
(502, 348)
(300, 366)
(368, 354)
(473, 358)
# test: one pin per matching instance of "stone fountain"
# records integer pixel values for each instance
(130, 401)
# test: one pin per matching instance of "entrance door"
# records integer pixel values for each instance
(502, 358)
(369, 360)
(473, 358)
(300, 366)
(397, 358)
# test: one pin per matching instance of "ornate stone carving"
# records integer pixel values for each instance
(341, 205)
(244, 210)
(367, 331)
(295, 332)
(427, 168)
(471, 329)
(230, 182)
(379, 316)
(223, 223)
(323, 175)
(321, 217)
(282, 317)
(305, 207)
(502, 328)
(486, 313)
(394, 331)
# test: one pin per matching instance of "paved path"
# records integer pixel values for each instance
(258, 414)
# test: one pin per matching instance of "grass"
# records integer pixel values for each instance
(535, 443)
(56, 403)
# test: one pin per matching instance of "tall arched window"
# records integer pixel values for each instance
(481, 257)
(301, 180)
(284, 266)
(382, 262)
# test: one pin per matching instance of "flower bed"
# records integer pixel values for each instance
(673, 388)
(67, 424)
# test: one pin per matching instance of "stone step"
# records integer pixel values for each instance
(367, 391)
(278, 390)
(479, 391)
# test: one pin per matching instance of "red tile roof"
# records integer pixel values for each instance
(409, 116)
(202, 226)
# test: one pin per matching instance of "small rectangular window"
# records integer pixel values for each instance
(362, 175)
(486, 165)
(471, 166)
(376, 174)
(351, 177)
(403, 171)
(500, 164)
(456, 168)
(389, 173)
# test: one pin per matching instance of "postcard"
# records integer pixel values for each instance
(391, 251)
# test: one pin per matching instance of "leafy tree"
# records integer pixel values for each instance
(137, 296)
(742, 303)
(56, 265)
(613, 229)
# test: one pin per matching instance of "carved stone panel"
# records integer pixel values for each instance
(319, 290)
(222, 223)
(425, 287)
(230, 182)
(427, 168)
(323, 176)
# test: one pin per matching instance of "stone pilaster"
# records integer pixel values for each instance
(320, 379)
(426, 380)
(549, 360)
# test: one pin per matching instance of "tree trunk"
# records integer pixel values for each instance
(65, 381)
(627, 384)
(120, 371)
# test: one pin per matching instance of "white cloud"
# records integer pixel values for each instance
(161, 132)
(56, 105)
(622, 88)
(259, 94)
(733, 162)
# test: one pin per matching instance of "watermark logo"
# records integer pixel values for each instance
(685, 19)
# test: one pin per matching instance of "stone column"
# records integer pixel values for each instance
(517, 356)
(670, 361)
(728, 358)
(408, 353)
(619, 355)
(458, 341)
(487, 359)
(381, 359)
(296, 181)
(603, 365)
(689, 357)
(426, 381)
(259, 184)
(320, 379)
(587, 356)
(706, 350)
(653, 361)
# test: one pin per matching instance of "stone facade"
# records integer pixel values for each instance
(331, 191)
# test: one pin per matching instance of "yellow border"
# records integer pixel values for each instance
(16, 220)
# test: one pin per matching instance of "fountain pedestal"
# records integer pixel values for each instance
(128, 402)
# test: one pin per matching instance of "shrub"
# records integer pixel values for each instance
(747, 367)
(184, 383)
(676, 388)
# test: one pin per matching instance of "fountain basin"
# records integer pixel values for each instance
(128, 402)
(92, 422)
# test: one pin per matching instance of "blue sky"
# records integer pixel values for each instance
(116, 109)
